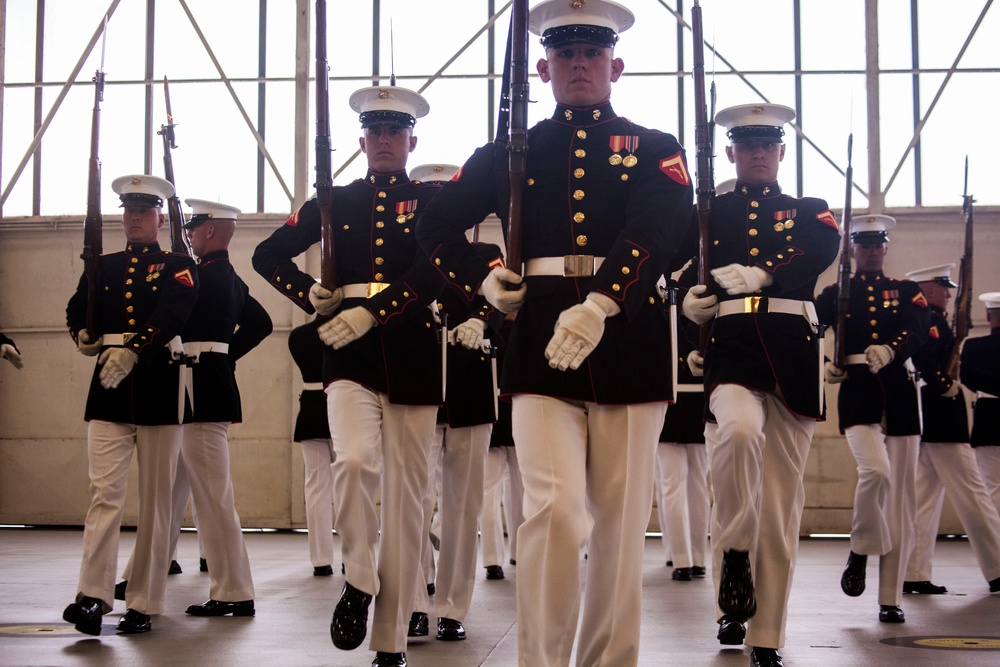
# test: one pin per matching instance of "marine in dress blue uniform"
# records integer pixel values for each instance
(312, 432)
(226, 324)
(145, 296)
(979, 371)
(458, 457)
(382, 367)
(762, 375)
(946, 462)
(606, 203)
(888, 321)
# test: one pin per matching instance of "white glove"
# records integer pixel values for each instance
(346, 327)
(495, 289)
(118, 363)
(878, 357)
(833, 374)
(739, 279)
(469, 333)
(578, 331)
(87, 348)
(700, 309)
(11, 354)
(325, 301)
(696, 363)
(953, 390)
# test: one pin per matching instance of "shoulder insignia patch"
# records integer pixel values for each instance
(184, 278)
(934, 332)
(496, 263)
(675, 168)
(293, 219)
(920, 300)
(828, 218)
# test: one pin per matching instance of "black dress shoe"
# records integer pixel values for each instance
(513, 562)
(923, 588)
(736, 596)
(670, 563)
(221, 608)
(120, 589)
(202, 565)
(383, 659)
(175, 568)
(890, 614)
(681, 574)
(698, 571)
(852, 581)
(494, 572)
(450, 630)
(85, 614)
(731, 633)
(431, 588)
(323, 571)
(994, 585)
(765, 657)
(134, 622)
(419, 625)
(350, 619)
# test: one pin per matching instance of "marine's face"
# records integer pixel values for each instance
(869, 257)
(581, 74)
(197, 237)
(141, 224)
(756, 161)
(937, 294)
(387, 147)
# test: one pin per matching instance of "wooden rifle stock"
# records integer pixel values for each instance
(175, 215)
(518, 141)
(324, 179)
(844, 269)
(705, 178)
(93, 235)
(962, 322)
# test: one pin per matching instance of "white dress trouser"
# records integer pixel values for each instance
(884, 502)
(989, 466)
(317, 460)
(683, 502)
(501, 487)
(371, 438)
(463, 462)
(952, 468)
(206, 457)
(109, 453)
(432, 524)
(587, 471)
(757, 451)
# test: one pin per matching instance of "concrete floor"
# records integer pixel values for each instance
(38, 572)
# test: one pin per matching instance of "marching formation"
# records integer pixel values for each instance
(434, 367)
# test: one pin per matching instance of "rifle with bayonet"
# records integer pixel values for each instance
(844, 268)
(175, 216)
(93, 232)
(962, 322)
(705, 178)
(517, 143)
(324, 180)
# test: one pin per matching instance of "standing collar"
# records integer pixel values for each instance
(386, 180)
(870, 277)
(214, 256)
(140, 249)
(757, 191)
(584, 116)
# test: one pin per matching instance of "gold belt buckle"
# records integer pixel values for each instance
(752, 304)
(375, 288)
(578, 266)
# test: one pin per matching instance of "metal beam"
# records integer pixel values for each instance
(58, 101)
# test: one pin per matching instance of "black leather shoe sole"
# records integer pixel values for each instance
(890, 614)
(681, 574)
(323, 571)
(731, 633)
(383, 659)
(494, 572)
(852, 581)
(120, 590)
(765, 657)
(349, 625)
(86, 618)
(220, 608)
